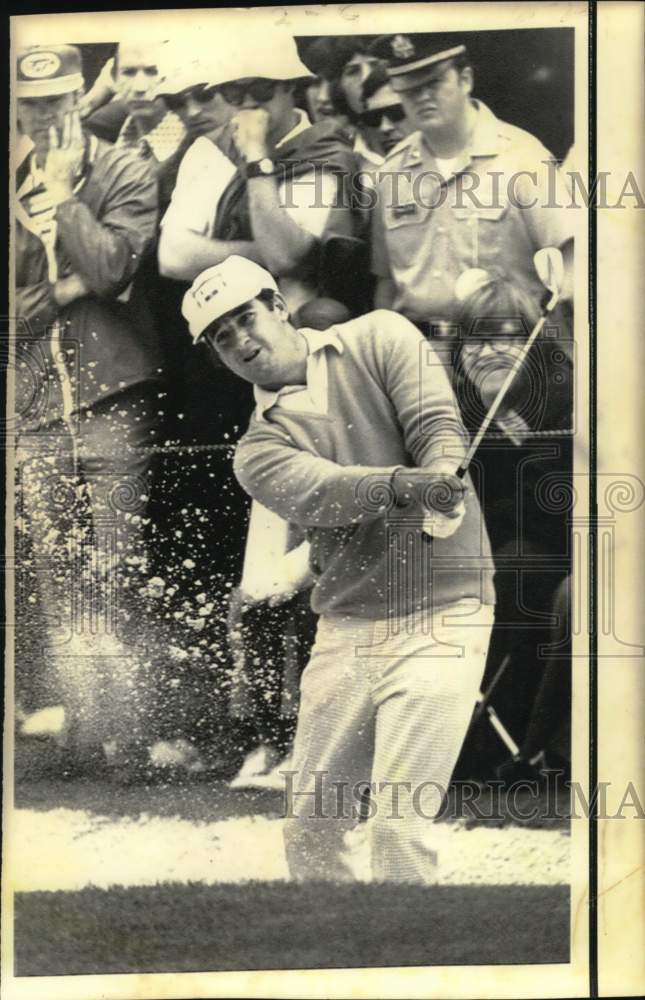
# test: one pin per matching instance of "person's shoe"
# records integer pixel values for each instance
(258, 763)
(273, 779)
(46, 723)
(63, 754)
(177, 754)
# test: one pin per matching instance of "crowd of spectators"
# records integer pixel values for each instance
(174, 159)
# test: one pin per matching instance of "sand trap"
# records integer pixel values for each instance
(69, 849)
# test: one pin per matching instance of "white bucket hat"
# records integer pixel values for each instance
(189, 64)
(270, 54)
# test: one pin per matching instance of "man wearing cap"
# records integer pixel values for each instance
(171, 97)
(265, 186)
(191, 89)
(465, 190)
(354, 439)
(86, 215)
(384, 120)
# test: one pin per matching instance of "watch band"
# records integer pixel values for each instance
(260, 168)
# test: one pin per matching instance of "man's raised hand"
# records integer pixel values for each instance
(64, 158)
(250, 128)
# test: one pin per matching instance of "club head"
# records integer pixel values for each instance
(469, 282)
(549, 266)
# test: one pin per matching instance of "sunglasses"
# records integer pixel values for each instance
(499, 340)
(394, 112)
(497, 344)
(202, 95)
(260, 89)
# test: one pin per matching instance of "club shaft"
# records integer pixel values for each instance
(495, 405)
(502, 731)
(486, 696)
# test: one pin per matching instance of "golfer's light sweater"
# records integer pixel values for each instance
(389, 404)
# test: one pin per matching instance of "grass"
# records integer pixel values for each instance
(196, 928)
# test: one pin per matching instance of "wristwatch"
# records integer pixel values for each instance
(260, 168)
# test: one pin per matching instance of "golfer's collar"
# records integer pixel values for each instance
(319, 339)
(316, 340)
(128, 133)
(266, 398)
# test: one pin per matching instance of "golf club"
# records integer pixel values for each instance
(549, 265)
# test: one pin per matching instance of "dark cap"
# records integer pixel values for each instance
(49, 71)
(410, 54)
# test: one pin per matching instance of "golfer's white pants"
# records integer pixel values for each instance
(386, 706)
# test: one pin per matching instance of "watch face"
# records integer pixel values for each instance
(266, 165)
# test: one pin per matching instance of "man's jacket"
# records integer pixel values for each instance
(103, 232)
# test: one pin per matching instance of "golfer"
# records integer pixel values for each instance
(354, 438)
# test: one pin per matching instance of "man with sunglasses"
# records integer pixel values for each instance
(494, 321)
(342, 65)
(464, 190)
(191, 90)
(201, 108)
(265, 186)
(384, 119)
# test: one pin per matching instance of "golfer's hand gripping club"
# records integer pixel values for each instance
(439, 494)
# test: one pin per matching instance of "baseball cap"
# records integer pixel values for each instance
(48, 71)
(221, 288)
(407, 55)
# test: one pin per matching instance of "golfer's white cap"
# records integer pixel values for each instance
(222, 288)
